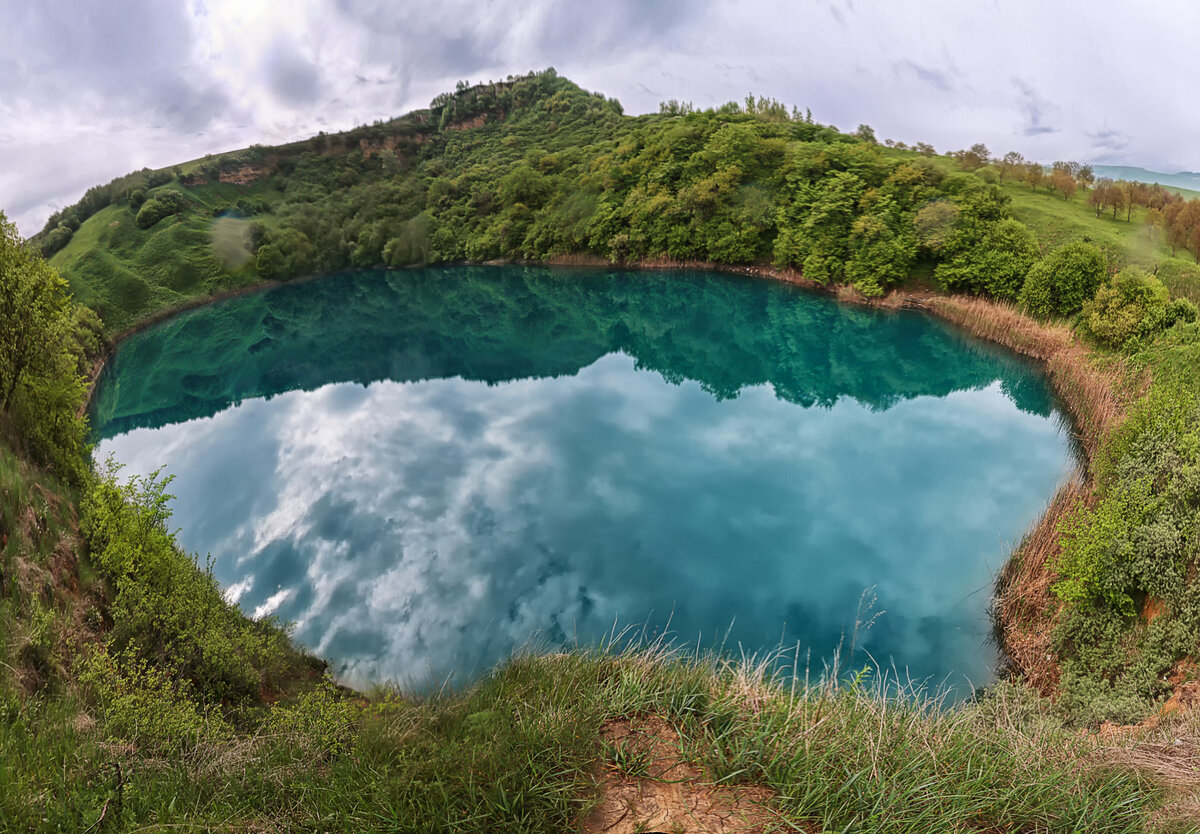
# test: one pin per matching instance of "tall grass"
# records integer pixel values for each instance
(1024, 609)
(519, 752)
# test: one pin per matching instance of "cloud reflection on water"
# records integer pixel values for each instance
(418, 529)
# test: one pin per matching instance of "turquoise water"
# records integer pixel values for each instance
(427, 469)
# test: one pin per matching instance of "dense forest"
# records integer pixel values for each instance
(130, 690)
(535, 167)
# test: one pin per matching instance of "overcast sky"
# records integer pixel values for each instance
(91, 90)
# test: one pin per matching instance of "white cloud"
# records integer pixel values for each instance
(417, 529)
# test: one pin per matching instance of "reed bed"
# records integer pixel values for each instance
(1025, 611)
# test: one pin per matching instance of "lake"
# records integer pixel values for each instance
(427, 469)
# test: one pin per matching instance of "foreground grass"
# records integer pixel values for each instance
(520, 751)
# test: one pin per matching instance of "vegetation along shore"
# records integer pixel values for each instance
(134, 697)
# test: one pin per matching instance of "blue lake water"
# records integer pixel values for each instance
(426, 469)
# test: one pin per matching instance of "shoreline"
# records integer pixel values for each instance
(1023, 608)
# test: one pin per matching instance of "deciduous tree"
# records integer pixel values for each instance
(1034, 174)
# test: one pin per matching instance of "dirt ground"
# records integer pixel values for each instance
(646, 786)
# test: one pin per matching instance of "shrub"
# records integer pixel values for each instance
(991, 258)
(40, 387)
(1063, 281)
(143, 704)
(286, 253)
(150, 213)
(55, 239)
(1134, 306)
(321, 720)
(1121, 310)
(159, 206)
(1133, 544)
(165, 605)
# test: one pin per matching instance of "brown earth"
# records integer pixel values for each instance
(646, 785)
(468, 124)
(245, 174)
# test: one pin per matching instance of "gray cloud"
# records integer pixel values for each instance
(104, 88)
(413, 530)
(938, 79)
(294, 79)
(132, 53)
(1107, 144)
(1034, 107)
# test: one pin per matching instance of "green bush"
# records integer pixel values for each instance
(1062, 282)
(163, 204)
(41, 389)
(1133, 306)
(144, 704)
(988, 258)
(165, 604)
(322, 721)
(150, 213)
(1135, 543)
(55, 239)
(286, 253)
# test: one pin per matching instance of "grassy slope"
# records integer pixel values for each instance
(1056, 221)
(126, 273)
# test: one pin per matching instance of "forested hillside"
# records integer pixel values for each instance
(535, 167)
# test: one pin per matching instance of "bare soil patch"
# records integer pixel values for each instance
(647, 786)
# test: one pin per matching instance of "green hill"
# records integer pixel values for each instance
(534, 168)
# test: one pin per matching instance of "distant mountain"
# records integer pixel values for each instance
(1188, 180)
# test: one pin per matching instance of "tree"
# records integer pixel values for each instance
(825, 232)
(1011, 165)
(55, 239)
(1154, 222)
(1064, 280)
(882, 249)
(865, 133)
(1131, 307)
(1177, 220)
(991, 258)
(934, 224)
(40, 386)
(1184, 228)
(974, 157)
(287, 253)
(925, 149)
(1120, 197)
(1086, 176)
(1034, 174)
(1063, 182)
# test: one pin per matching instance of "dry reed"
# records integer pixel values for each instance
(1025, 610)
